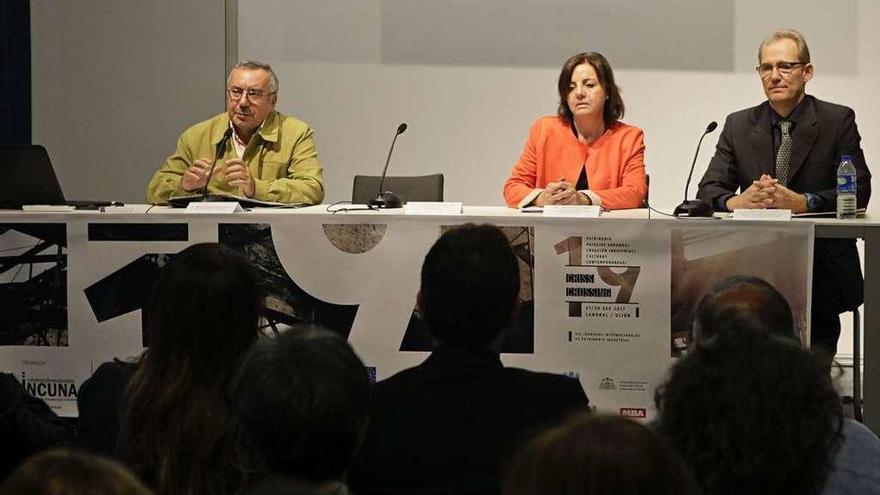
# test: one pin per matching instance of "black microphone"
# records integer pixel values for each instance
(387, 199)
(217, 152)
(695, 207)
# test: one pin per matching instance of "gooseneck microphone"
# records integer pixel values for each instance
(217, 152)
(387, 199)
(695, 207)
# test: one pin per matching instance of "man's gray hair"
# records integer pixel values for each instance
(257, 65)
(788, 34)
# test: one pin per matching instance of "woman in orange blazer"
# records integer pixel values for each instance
(584, 155)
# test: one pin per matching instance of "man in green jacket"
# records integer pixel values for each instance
(269, 157)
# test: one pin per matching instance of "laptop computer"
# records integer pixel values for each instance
(29, 179)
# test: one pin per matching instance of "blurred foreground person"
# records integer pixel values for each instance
(444, 425)
(303, 400)
(68, 472)
(166, 415)
(751, 412)
(597, 455)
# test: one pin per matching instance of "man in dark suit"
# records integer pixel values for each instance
(784, 153)
(445, 425)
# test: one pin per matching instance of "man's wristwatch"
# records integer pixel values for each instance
(813, 201)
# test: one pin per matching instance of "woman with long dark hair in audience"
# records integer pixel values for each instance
(166, 414)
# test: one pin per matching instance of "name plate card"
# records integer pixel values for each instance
(432, 208)
(47, 208)
(580, 211)
(214, 207)
(771, 215)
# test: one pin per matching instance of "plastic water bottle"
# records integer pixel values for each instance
(846, 188)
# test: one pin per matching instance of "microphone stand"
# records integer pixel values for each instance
(220, 147)
(695, 208)
(387, 199)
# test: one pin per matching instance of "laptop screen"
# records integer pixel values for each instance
(28, 177)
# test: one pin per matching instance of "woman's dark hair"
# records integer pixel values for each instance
(69, 472)
(178, 430)
(596, 455)
(470, 286)
(752, 412)
(614, 108)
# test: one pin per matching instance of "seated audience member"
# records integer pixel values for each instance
(743, 298)
(27, 425)
(598, 455)
(740, 300)
(166, 414)
(751, 412)
(583, 155)
(68, 472)
(302, 399)
(444, 425)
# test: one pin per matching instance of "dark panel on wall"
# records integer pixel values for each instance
(15, 76)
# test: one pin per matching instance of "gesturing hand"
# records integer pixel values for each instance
(238, 175)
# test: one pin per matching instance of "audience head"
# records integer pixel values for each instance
(68, 472)
(613, 109)
(202, 317)
(470, 286)
(203, 312)
(752, 412)
(597, 455)
(302, 399)
(742, 299)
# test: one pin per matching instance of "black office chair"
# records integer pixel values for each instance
(408, 188)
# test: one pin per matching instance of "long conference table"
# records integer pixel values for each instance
(600, 295)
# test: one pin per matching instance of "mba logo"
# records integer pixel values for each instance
(634, 412)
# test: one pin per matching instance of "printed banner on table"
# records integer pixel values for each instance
(608, 301)
(602, 309)
(615, 300)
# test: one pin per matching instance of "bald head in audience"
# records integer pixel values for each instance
(743, 298)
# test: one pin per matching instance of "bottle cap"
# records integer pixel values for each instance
(846, 158)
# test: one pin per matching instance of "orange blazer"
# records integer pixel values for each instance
(615, 164)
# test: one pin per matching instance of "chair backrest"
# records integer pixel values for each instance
(647, 191)
(407, 188)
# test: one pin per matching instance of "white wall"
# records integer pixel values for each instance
(470, 121)
(116, 81)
